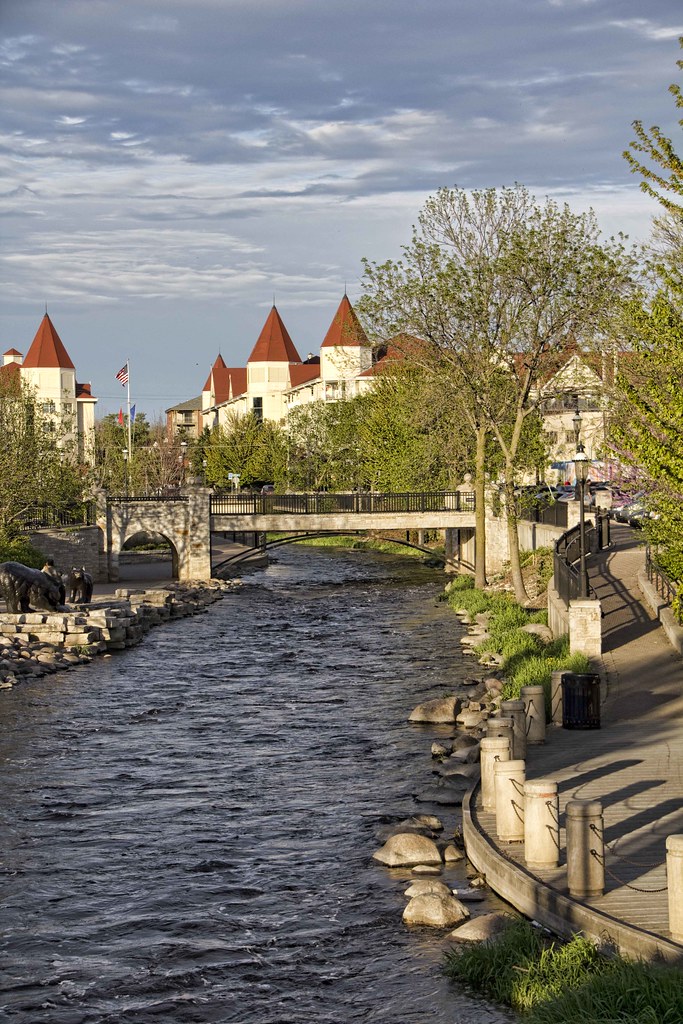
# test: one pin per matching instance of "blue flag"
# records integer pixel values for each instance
(132, 414)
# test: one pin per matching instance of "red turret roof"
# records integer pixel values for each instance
(228, 381)
(12, 352)
(345, 328)
(219, 365)
(274, 344)
(47, 349)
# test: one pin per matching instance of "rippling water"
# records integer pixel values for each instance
(188, 826)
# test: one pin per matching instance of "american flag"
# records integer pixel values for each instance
(122, 375)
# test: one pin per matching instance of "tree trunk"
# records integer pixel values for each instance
(521, 595)
(480, 510)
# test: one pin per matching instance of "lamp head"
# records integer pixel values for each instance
(125, 455)
(581, 463)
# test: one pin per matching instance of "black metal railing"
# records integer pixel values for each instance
(327, 503)
(667, 588)
(567, 557)
(49, 517)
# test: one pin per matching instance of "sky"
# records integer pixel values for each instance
(170, 168)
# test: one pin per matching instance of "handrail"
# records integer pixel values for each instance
(40, 517)
(324, 503)
(667, 588)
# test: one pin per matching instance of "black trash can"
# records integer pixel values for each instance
(580, 700)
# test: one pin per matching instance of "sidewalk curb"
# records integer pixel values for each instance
(540, 902)
(660, 608)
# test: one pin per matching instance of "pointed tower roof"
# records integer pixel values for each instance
(47, 350)
(218, 367)
(345, 328)
(274, 344)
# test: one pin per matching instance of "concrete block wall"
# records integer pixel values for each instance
(73, 547)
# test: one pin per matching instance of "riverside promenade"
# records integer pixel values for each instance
(633, 765)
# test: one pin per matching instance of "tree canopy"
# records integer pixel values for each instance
(497, 288)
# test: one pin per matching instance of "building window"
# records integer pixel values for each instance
(552, 436)
(570, 436)
(49, 407)
(257, 409)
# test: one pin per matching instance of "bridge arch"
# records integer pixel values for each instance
(277, 542)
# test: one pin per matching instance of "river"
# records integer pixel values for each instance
(188, 825)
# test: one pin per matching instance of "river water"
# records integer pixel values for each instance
(188, 826)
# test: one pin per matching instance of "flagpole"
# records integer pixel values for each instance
(130, 438)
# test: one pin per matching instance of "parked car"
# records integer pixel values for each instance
(267, 488)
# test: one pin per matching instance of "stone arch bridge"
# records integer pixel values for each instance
(189, 518)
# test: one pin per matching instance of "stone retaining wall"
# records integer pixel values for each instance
(35, 643)
(73, 547)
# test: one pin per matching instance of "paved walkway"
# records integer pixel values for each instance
(633, 764)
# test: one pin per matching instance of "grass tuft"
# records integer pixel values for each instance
(553, 982)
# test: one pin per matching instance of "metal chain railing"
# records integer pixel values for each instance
(627, 860)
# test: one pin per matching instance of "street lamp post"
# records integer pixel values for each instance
(125, 472)
(581, 471)
(183, 450)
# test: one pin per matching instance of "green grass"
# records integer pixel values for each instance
(553, 982)
(527, 660)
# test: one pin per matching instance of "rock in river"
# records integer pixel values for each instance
(408, 849)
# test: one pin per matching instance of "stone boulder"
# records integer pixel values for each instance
(419, 824)
(426, 885)
(408, 849)
(471, 719)
(544, 633)
(435, 910)
(452, 855)
(443, 710)
(482, 928)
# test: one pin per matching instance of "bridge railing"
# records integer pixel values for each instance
(82, 513)
(325, 503)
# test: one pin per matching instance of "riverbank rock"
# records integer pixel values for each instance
(435, 911)
(471, 719)
(482, 928)
(427, 885)
(452, 855)
(408, 849)
(420, 824)
(441, 749)
(544, 633)
(440, 711)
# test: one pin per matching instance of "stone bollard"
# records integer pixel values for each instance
(500, 726)
(492, 750)
(509, 787)
(556, 696)
(674, 878)
(534, 706)
(585, 848)
(541, 824)
(515, 710)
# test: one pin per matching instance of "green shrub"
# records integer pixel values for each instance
(19, 550)
(461, 583)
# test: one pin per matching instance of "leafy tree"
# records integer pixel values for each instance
(647, 433)
(36, 466)
(664, 181)
(246, 446)
(497, 287)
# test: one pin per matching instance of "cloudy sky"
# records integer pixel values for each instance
(169, 167)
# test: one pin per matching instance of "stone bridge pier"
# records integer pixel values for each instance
(184, 521)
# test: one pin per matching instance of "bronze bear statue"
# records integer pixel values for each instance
(23, 587)
(81, 586)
